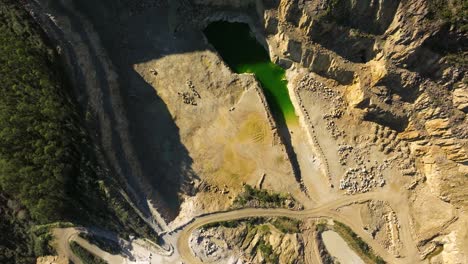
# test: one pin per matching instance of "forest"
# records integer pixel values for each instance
(39, 135)
(48, 167)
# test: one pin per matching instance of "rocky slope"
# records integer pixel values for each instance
(250, 241)
(398, 67)
(383, 56)
(394, 64)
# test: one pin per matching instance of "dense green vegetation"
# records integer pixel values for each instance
(261, 198)
(35, 157)
(39, 136)
(267, 252)
(321, 227)
(21, 241)
(120, 216)
(242, 52)
(47, 161)
(283, 224)
(16, 245)
(85, 256)
(252, 221)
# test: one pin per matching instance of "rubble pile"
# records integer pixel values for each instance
(191, 96)
(209, 245)
(362, 180)
(344, 151)
(335, 99)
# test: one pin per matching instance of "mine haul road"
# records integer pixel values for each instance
(326, 210)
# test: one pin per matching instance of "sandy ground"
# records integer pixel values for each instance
(339, 249)
(328, 210)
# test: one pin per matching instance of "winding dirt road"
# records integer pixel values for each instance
(62, 244)
(327, 210)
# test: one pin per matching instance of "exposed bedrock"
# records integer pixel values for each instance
(393, 69)
(397, 66)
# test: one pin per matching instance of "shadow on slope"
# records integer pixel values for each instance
(163, 165)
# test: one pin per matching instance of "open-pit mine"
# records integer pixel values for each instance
(261, 131)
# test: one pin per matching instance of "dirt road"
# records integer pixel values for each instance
(327, 210)
(63, 238)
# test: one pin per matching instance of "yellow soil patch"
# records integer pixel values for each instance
(254, 129)
(238, 160)
(234, 170)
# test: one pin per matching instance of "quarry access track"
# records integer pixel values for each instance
(326, 210)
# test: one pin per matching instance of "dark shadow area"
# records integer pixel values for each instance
(371, 17)
(123, 168)
(384, 118)
(106, 109)
(396, 84)
(285, 136)
(350, 44)
(154, 137)
(349, 28)
(107, 241)
(446, 48)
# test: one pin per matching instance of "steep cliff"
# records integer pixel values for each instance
(401, 66)
(401, 58)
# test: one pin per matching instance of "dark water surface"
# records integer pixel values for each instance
(244, 54)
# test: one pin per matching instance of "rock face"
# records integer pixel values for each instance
(383, 54)
(247, 243)
(460, 98)
(393, 61)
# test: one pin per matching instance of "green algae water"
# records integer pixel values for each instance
(244, 54)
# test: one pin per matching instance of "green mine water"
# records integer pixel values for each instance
(244, 54)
